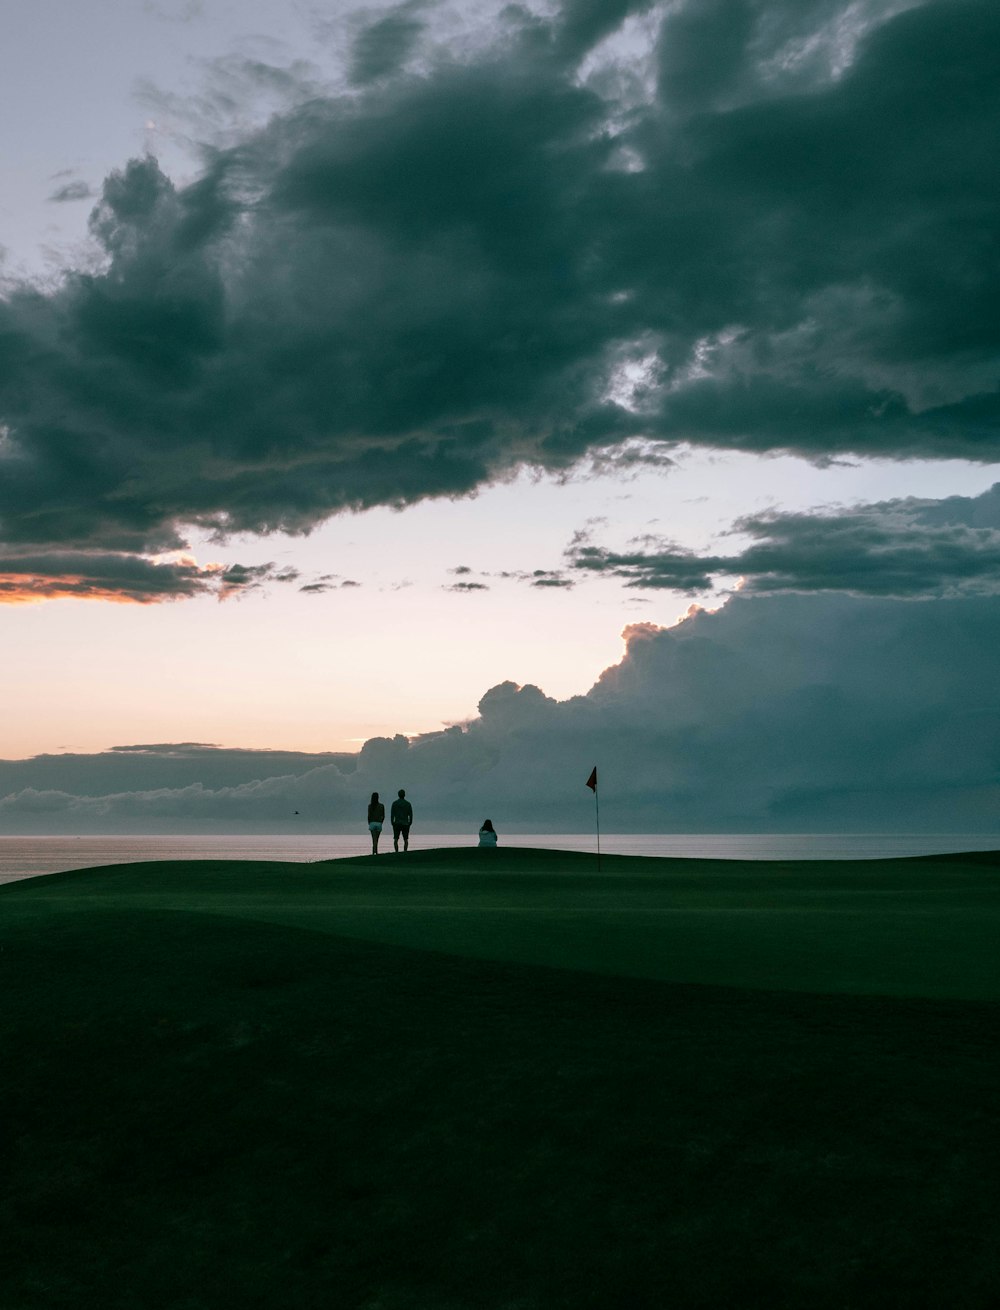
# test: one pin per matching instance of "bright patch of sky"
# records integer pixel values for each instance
(402, 652)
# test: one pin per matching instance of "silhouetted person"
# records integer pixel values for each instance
(401, 816)
(487, 834)
(376, 817)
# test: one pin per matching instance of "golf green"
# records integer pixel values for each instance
(906, 927)
(234, 1084)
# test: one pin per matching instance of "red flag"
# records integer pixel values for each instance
(592, 780)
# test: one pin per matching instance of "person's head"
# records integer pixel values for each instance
(401, 793)
(374, 799)
(487, 825)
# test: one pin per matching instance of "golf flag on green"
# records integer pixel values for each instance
(592, 784)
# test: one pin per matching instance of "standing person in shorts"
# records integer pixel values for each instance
(376, 817)
(401, 815)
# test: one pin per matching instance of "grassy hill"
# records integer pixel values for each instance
(363, 1083)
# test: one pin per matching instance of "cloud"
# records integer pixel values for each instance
(240, 578)
(540, 577)
(71, 191)
(328, 582)
(95, 575)
(466, 586)
(195, 807)
(552, 580)
(382, 47)
(27, 576)
(775, 713)
(583, 24)
(173, 749)
(524, 254)
(154, 766)
(904, 548)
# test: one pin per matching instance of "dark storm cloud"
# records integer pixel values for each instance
(383, 47)
(777, 713)
(903, 548)
(410, 290)
(582, 24)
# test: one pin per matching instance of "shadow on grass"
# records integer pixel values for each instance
(199, 1112)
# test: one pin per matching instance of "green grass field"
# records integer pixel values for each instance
(498, 1079)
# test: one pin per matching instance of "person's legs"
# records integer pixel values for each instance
(405, 830)
(396, 830)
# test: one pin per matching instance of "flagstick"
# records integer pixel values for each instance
(597, 811)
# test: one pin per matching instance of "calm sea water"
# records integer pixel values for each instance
(28, 857)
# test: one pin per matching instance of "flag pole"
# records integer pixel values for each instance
(597, 813)
(592, 784)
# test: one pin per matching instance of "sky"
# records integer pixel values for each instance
(453, 396)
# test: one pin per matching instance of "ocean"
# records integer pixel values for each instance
(29, 857)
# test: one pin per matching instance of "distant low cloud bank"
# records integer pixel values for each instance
(775, 713)
(763, 226)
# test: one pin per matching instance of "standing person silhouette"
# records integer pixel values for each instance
(401, 816)
(376, 817)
